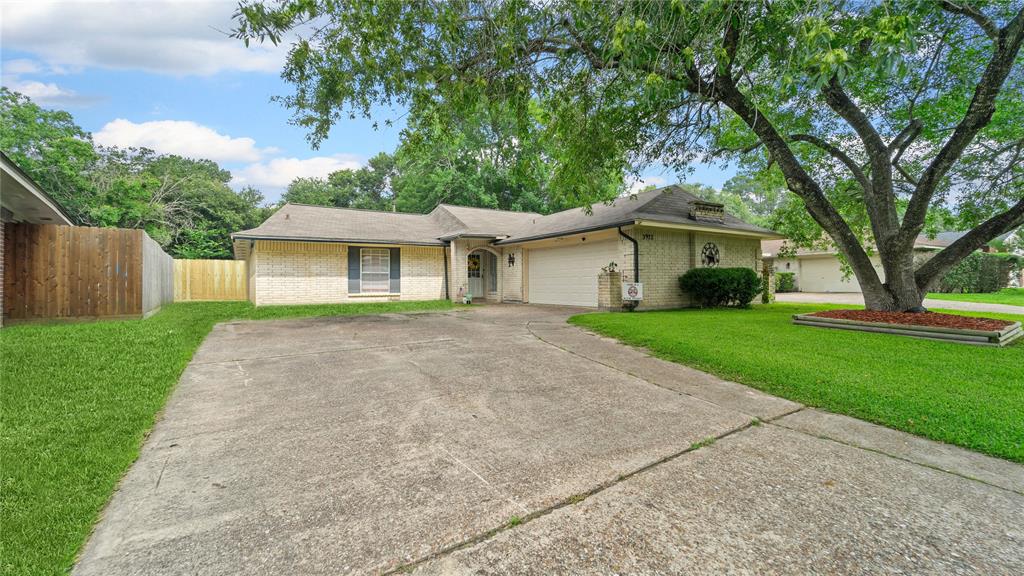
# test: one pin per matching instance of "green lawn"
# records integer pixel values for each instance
(77, 401)
(1011, 296)
(955, 393)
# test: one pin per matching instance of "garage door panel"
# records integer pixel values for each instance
(826, 275)
(568, 275)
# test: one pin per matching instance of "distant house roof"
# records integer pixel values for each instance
(670, 205)
(23, 200)
(950, 237)
(771, 248)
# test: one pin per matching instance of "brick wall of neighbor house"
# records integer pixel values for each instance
(317, 273)
(512, 276)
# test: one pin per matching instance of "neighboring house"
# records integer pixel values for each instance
(307, 254)
(23, 201)
(821, 271)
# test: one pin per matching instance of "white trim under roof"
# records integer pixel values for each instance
(708, 229)
(27, 202)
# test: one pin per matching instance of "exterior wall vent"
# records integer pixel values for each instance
(703, 211)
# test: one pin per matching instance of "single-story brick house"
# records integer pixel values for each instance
(307, 254)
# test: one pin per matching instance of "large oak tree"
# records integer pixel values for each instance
(874, 113)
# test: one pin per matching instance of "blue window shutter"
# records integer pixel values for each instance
(353, 270)
(396, 271)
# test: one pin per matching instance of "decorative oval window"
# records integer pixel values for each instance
(709, 255)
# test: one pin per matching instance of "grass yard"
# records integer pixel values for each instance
(77, 401)
(1011, 296)
(966, 395)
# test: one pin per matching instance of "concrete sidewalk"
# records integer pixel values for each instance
(930, 303)
(502, 440)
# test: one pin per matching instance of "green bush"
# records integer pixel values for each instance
(785, 282)
(979, 272)
(721, 286)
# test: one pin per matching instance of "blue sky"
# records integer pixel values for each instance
(164, 75)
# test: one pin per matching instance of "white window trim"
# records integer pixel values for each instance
(362, 290)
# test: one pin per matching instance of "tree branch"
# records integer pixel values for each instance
(900, 144)
(799, 181)
(879, 198)
(933, 269)
(979, 114)
(838, 154)
(983, 22)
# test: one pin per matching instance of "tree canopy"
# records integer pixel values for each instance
(874, 114)
(184, 204)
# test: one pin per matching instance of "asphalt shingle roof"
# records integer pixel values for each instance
(302, 222)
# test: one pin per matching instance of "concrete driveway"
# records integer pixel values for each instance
(858, 299)
(501, 440)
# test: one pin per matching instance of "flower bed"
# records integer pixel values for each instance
(964, 329)
(918, 319)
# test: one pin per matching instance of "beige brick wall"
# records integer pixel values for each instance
(317, 273)
(512, 276)
(664, 257)
(666, 254)
(422, 272)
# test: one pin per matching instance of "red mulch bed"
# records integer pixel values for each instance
(917, 319)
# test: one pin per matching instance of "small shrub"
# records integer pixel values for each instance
(721, 286)
(785, 282)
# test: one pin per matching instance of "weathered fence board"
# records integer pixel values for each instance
(210, 280)
(55, 272)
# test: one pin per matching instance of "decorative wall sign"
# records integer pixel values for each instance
(632, 291)
(709, 255)
(511, 259)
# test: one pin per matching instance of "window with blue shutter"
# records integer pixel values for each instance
(374, 270)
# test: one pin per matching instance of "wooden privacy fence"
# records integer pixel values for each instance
(55, 272)
(210, 280)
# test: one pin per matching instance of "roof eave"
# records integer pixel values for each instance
(241, 236)
(722, 229)
(524, 239)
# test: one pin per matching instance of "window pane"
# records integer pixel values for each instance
(376, 270)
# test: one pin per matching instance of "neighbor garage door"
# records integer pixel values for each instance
(568, 275)
(825, 275)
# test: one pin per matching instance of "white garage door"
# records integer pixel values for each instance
(825, 275)
(568, 275)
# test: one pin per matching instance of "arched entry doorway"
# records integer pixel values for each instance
(482, 273)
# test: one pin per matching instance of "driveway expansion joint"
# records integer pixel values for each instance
(568, 501)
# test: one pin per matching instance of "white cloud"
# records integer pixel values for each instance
(44, 93)
(276, 174)
(161, 36)
(181, 137)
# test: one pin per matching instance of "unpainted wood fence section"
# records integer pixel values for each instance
(210, 280)
(64, 272)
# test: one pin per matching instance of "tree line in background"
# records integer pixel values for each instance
(188, 206)
(184, 204)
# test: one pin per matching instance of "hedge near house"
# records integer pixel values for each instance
(979, 272)
(721, 286)
(785, 282)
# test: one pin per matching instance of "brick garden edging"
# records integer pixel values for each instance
(1000, 337)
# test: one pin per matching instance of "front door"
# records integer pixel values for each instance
(475, 272)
